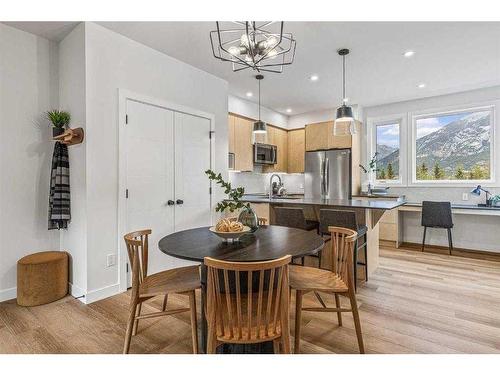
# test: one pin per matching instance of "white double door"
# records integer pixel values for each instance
(167, 154)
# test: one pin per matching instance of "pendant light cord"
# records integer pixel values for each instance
(343, 79)
(259, 99)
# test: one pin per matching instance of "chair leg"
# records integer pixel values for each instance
(136, 321)
(366, 257)
(276, 346)
(423, 239)
(194, 326)
(298, 318)
(211, 341)
(285, 341)
(302, 261)
(355, 264)
(130, 325)
(337, 305)
(164, 304)
(450, 241)
(357, 324)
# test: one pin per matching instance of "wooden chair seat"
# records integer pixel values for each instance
(315, 279)
(177, 280)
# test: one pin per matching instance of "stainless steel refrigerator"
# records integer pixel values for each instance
(328, 174)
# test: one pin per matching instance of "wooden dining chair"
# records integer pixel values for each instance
(337, 281)
(184, 280)
(248, 303)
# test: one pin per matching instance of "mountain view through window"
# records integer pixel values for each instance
(387, 138)
(453, 146)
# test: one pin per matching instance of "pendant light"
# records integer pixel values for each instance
(344, 112)
(259, 127)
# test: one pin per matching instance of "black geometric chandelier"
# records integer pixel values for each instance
(261, 46)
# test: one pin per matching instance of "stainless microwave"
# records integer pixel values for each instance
(264, 154)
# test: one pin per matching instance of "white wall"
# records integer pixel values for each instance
(113, 62)
(28, 88)
(251, 110)
(472, 232)
(72, 99)
(301, 120)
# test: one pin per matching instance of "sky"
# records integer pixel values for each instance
(431, 124)
(388, 135)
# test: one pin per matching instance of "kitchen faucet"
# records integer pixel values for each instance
(271, 184)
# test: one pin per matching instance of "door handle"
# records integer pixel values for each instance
(327, 177)
(179, 201)
(170, 202)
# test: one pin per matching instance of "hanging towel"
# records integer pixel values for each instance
(59, 197)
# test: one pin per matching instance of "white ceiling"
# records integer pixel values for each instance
(450, 57)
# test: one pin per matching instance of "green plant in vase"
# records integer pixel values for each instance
(247, 215)
(370, 169)
(59, 119)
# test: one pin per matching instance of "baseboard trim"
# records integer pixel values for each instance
(8, 294)
(76, 291)
(461, 252)
(98, 294)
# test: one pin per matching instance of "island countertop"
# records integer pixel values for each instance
(376, 204)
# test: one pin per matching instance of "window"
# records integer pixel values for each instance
(387, 143)
(453, 146)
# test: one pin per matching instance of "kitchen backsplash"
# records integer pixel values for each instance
(259, 182)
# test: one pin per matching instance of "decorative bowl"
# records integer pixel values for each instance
(233, 236)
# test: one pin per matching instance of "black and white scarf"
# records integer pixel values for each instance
(59, 196)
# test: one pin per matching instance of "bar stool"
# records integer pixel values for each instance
(294, 217)
(347, 219)
(437, 215)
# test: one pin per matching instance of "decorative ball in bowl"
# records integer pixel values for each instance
(229, 230)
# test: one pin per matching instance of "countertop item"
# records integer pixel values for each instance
(375, 204)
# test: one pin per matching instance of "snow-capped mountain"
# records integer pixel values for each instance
(465, 141)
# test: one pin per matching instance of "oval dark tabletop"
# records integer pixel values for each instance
(267, 243)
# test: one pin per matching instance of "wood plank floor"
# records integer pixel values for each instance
(414, 303)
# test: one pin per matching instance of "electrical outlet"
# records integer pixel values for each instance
(465, 196)
(111, 260)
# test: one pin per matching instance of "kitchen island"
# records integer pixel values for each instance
(368, 212)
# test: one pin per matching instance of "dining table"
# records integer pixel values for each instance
(268, 242)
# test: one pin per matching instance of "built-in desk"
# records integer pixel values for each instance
(457, 209)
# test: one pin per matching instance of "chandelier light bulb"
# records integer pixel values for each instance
(245, 40)
(248, 58)
(233, 50)
(272, 41)
(272, 54)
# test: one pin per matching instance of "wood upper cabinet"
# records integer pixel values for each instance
(296, 150)
(320, 136)
(240, 142)
(230, 133)
(278, 137)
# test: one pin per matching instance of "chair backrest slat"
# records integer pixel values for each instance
(342, 245)
(137, 249)
(244, 300)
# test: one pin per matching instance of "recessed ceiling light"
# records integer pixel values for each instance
(314, 77)
(288, 110)
(408, 53)
(421, 85)
(249, 94)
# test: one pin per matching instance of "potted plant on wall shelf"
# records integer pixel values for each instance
(60, 121)
(247, 215)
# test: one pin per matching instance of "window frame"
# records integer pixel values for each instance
(414, 116)
(373, 123)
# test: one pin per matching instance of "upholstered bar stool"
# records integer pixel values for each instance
(294, 217)
(347, 219)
